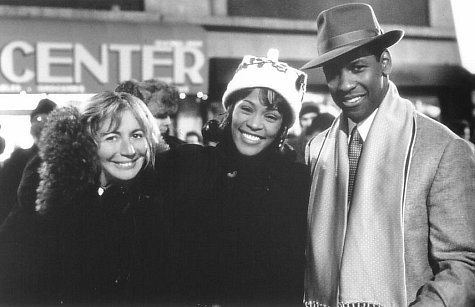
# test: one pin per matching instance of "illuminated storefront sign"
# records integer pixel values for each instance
(81, 61)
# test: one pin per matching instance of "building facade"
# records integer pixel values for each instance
(82, 47)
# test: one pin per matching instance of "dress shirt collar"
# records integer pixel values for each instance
(363, 126)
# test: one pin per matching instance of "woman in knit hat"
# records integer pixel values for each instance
(238, 210)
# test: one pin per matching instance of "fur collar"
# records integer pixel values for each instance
(69, 164)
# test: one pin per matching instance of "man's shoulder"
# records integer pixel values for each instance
(21, 154)
(433, 139)
(17, 161)
(432, 132)
(314, 146)
(430, 124)
(316, 142)
(172, 141)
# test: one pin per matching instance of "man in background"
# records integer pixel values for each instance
(461, 127)
(2, 143)
(12, 170)
(193, 137)
(162, 101)
(308, 112)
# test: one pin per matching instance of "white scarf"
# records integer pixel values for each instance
(356, 254)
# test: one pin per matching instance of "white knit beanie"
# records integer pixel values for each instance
(255, 71)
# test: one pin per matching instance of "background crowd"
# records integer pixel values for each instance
(108, 208)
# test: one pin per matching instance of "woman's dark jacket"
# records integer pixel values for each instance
(239, 225)
(84, 246)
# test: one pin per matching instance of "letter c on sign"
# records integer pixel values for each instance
(6, 62)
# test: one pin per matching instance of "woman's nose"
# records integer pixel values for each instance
(127, 148)
(254, 122)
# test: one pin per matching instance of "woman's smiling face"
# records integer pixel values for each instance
(121, 151)
(254, 126)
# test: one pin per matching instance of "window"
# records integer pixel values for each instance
(124, 5)
(404, 12)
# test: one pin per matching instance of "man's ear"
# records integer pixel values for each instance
(386, 62)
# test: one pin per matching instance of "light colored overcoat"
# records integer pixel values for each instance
(439, 219)
(439, 216)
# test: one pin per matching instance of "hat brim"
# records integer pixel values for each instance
(384, 40)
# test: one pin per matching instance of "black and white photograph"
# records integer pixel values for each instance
(237, 153)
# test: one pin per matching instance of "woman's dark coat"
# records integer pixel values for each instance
(239, 225)
(85, 246)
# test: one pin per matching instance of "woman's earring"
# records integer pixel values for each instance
(282, 138)
(281, 143)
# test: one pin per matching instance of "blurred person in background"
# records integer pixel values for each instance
(12, 170)
(2, 144)
(193, 137)
(308, 112)
(211, 132)
(391, 210)
(132, 87)
(93, 238)
(319, 124)
(238, 210)
(461, 127)
(161, 99)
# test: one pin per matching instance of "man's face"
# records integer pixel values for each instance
(161, 116)
(162, 113)
(37, 123)
(306, 120)
(163, 122)
(357, 82)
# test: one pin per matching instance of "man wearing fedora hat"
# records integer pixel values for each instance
(392, 202)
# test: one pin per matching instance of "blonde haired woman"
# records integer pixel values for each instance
(90, 239)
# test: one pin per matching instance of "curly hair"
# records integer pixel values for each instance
(132, 87)
(70, 164)
(161, 93)
(153, 91)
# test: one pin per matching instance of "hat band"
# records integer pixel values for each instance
(345, 39)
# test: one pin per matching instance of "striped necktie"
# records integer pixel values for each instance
(354, 151)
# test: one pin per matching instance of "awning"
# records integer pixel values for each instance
(221, 70)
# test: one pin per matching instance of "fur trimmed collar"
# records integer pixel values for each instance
(69, 164)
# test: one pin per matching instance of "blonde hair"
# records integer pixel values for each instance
(112, 105)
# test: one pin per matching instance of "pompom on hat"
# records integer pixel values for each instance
(255, 72)
(346, 27)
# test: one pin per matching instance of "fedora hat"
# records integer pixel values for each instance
(346, 27)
